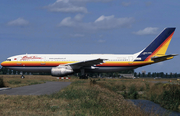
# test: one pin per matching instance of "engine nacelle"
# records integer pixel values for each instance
(61, 71)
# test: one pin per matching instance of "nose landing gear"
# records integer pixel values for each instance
(22, 76)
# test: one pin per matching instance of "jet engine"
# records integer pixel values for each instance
(61, 71)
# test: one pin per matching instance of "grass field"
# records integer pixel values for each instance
(97, 97)
(15, 80)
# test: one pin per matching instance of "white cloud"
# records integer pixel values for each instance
(71, 6)
(147, 31)
(103, 22)
(104, 18)
(78, 17)
(68, 22)
(18, 22)
(109, 22)
(66, 6)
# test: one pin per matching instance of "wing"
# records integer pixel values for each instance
(87, 63)
(162, 58)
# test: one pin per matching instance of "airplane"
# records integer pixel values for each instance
(60, 65)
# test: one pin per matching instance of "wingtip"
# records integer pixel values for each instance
(175, 54)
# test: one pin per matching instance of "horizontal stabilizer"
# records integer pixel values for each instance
(162, 58)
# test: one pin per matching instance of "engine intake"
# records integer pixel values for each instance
(61, 71)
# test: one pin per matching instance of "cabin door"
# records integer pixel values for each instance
(19, 60)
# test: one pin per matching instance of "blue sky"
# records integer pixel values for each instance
(88, 27)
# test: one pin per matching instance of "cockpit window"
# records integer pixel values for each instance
(8, 60)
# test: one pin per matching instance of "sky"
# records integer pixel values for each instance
(88, 27)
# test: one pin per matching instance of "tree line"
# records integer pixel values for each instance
(157, 75)
(5, 71)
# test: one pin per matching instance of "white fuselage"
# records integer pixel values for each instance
(45, 62)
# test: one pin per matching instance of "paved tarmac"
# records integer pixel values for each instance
(39, 89)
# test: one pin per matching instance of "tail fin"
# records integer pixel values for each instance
(158, 47)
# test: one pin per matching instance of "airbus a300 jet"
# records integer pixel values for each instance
(65, 64)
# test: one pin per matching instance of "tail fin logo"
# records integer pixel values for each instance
(144, 53)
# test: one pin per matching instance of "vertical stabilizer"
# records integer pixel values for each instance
(158, 47)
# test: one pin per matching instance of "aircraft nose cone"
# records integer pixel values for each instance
(2, 64)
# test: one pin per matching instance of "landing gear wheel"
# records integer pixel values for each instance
(22, 77)
(83, 75)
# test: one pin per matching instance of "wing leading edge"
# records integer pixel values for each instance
(86, 63)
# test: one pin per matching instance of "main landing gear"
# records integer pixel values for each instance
(83, 75)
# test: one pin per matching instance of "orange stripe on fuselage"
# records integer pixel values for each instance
(57, 63)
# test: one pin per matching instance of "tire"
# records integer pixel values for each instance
(22, 77)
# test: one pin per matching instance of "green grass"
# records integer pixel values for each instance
(97, 97)
(169, 98)
(78, 99)
(132, 93)
(167, 95)
(14, 82)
